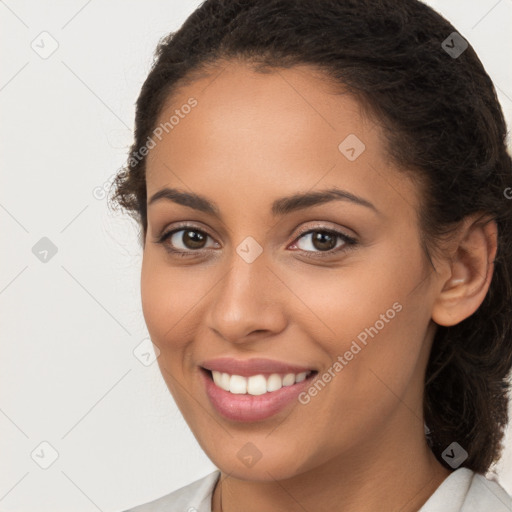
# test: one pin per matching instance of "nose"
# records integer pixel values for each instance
(248, 302)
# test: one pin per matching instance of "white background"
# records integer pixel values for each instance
(69, 326)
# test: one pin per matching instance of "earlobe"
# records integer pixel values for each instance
(469, 274)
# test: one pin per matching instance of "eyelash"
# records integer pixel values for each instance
(348, 244)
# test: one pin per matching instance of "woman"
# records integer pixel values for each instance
(321, 188)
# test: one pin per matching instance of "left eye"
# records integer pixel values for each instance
(324, 240)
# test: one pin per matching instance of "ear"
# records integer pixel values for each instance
(469, 271)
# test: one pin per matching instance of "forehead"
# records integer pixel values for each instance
(262, 133)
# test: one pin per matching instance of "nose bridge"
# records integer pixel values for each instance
(247, 297)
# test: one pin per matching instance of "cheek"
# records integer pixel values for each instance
(165, 299)
(173, 299)
(337, 305)
(370, 312)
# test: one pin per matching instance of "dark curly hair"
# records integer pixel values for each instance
(442, 122)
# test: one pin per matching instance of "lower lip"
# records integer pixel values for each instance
(247, 408)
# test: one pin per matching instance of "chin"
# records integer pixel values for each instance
(249, 463)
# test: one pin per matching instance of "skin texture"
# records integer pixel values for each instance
(252, 138)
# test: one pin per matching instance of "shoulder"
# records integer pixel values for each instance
(486, 495)
(194, 497)
(467, 491)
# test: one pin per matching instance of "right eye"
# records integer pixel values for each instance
(184, 240)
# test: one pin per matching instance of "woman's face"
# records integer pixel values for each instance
(247, 282)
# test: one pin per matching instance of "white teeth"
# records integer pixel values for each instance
(301, 376)
(274, 382)
(224, 381)
(217, 378)
(289, 379)
(256, 384)
(238, 385)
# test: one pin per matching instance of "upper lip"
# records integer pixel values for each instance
(248, 367)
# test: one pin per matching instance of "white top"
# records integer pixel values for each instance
(462, 491)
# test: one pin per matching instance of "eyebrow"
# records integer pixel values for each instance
(281, 206)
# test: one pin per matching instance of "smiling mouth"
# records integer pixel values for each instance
(258, 384)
